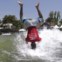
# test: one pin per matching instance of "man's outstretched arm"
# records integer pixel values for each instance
(39, 12)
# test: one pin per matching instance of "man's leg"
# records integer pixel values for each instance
(39, 12)
(21, 10)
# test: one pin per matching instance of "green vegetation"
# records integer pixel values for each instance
(17, 24)
(54, 18)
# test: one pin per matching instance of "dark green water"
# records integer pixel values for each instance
(7, 48)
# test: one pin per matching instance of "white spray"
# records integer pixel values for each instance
(49, 48)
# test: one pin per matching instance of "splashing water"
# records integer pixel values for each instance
(49, 48)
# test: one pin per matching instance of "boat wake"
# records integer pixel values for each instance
(49, 49)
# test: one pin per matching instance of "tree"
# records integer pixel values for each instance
(12, 19)
(51, 15)
(9, 19)
(56, 16)
(18, 24)
(60, 22)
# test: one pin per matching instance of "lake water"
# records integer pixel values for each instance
(13, 48)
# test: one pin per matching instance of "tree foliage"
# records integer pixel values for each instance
(12, 19)
(55, 15)
(9, 19)
(61, 22)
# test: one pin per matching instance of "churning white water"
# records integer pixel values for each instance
(49, 48)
